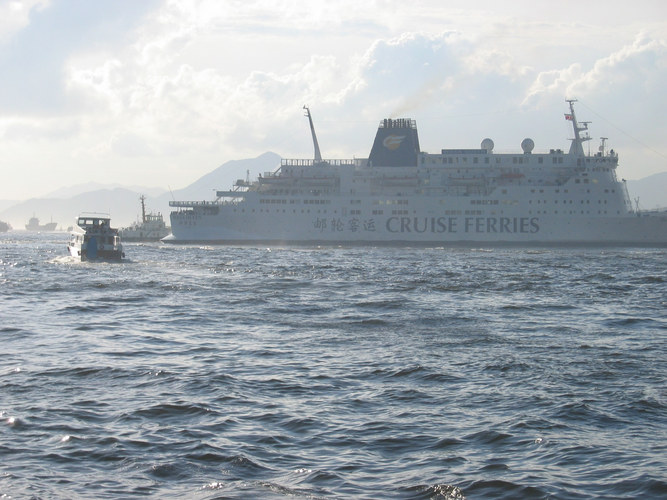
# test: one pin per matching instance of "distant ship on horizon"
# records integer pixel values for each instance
(34, 225)
(400, 195)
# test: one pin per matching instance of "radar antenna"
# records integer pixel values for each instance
(602, 145)
(318, 155)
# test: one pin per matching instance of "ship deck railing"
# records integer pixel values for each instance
(300, 162)
(652, 212)
(190, 204)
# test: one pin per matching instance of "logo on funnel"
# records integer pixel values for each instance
(392, 142)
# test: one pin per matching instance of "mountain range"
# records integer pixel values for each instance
(122, 202)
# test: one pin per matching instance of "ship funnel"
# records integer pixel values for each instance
(396, 144)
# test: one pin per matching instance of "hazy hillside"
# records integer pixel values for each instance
(5, 204)
(224, 177)
(122, 204)
(651, 191)
(71, 191)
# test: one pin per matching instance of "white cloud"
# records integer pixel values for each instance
(15, 15)
(191, 84)
(635, 70)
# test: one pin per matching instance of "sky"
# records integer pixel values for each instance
(158, 93)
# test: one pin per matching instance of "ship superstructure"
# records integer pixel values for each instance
(401, 195)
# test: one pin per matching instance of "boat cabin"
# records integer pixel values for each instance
(85, 222)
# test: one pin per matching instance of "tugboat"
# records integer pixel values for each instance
(34, 225)
(151, 227)
(95, 240)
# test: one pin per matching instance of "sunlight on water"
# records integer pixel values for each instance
(333, 373)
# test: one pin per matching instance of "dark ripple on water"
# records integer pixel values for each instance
(216, 372)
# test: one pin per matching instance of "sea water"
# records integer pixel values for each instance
(254, 372)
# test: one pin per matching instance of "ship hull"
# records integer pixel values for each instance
(48, 227)
(140, 236)
(101, 255)
(519, 229)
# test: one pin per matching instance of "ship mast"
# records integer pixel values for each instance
(602, 145)
(318, 155)
(577, 148)
(142, 198)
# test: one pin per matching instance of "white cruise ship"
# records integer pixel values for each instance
(401, 195)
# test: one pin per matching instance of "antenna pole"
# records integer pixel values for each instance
(577, 142)
(143, 208)
(318, 155)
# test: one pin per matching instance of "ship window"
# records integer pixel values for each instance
(540, 160)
